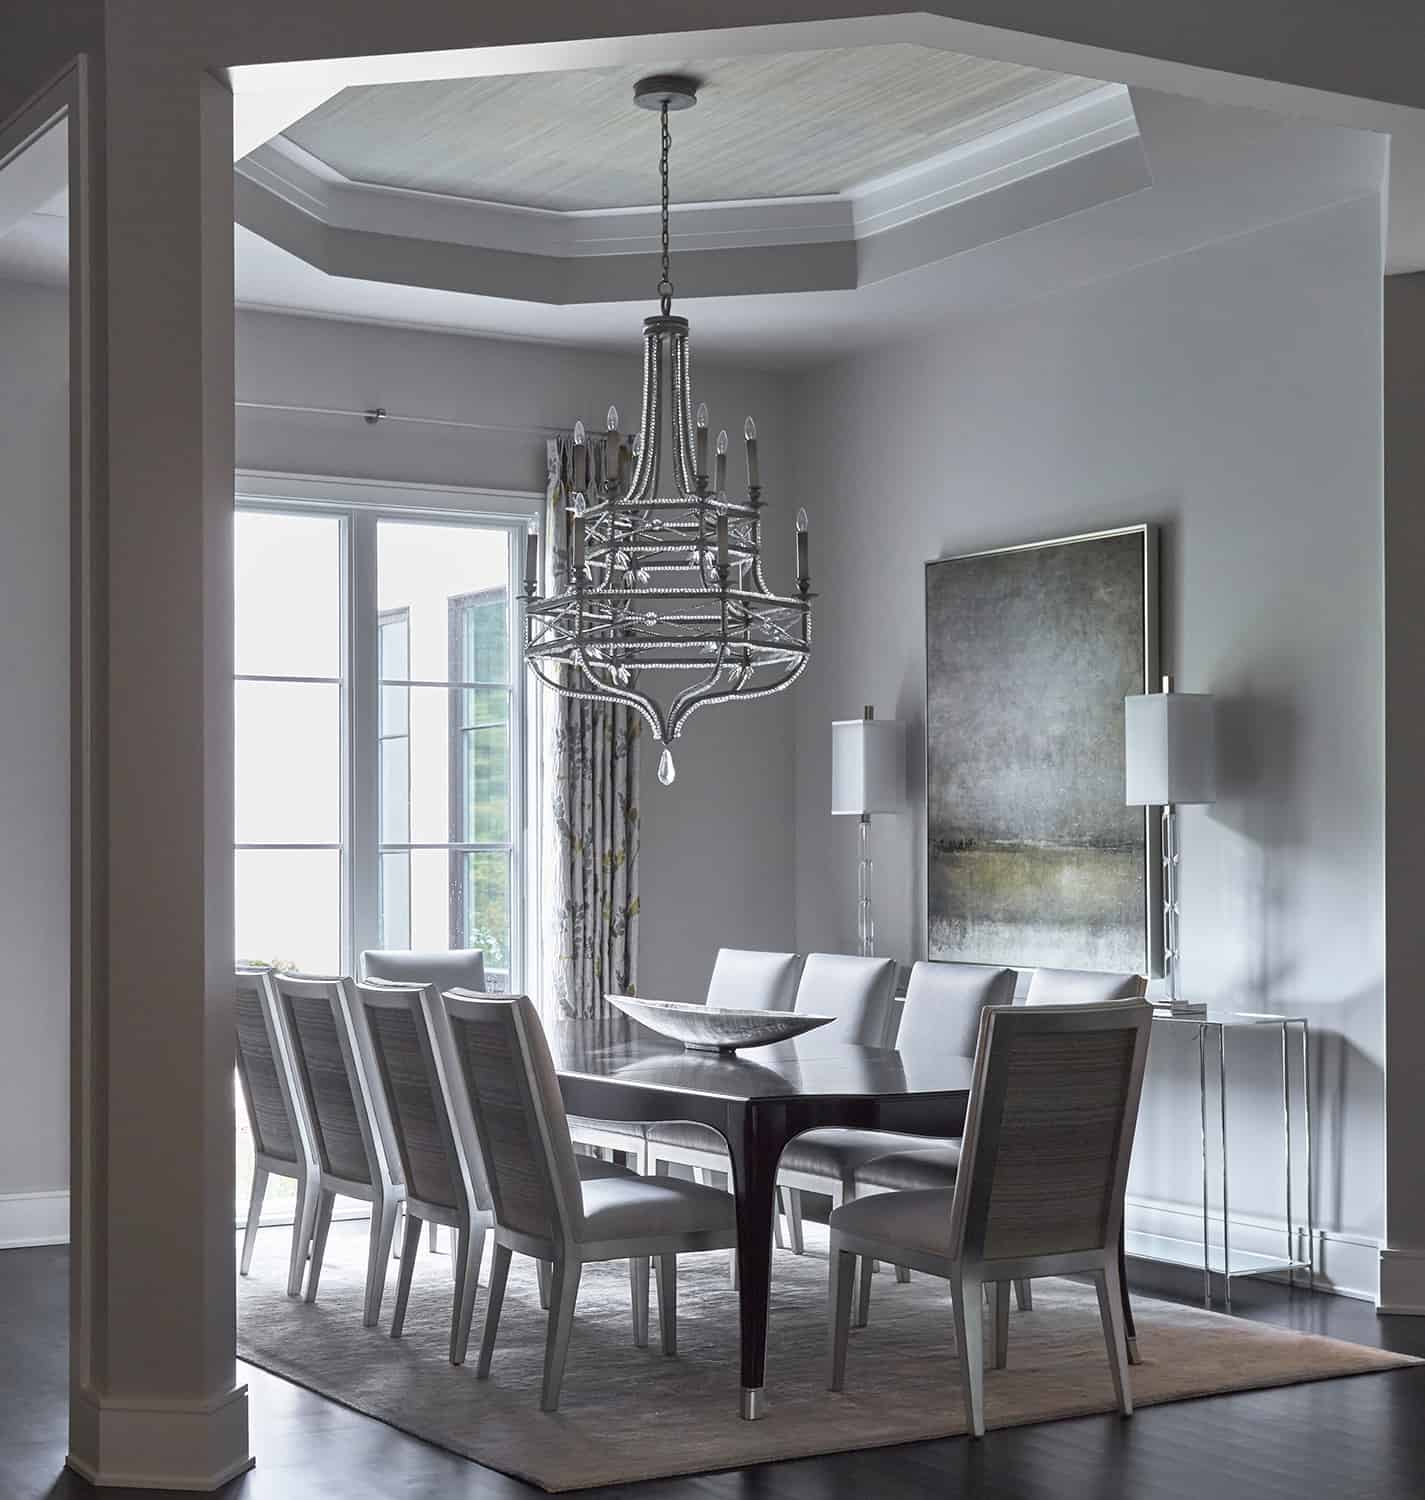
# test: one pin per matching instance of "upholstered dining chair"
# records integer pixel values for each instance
(1044, 1164)
(943, 1002)
(445, 968)
(1082, 987)
(437, 1173)
(540, 1205)
(282, 1144)
(350, 1124)
(858, 992)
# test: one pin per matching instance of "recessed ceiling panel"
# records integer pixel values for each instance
(777, 126)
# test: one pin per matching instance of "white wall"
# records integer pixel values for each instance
(1233, 397)
(717, 848)
(34, 762)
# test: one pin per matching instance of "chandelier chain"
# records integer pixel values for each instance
(665, 284)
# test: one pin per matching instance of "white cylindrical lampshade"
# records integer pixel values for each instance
(867, 766)
(1170, 744)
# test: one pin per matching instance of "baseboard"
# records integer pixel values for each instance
(34, 1219)
(1345, 1265)
(1402, 1282)
(157, 1444)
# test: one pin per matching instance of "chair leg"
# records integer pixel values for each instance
(667, 1303)
(469, 1247)
(903, 1275)
(967, 1298)
(778, 1214)
(795, 1237)
(305, 1223)
(1023, 1295)
(638, 1287)
(433, 1234)
(541, 1275)
(1110, 1311)
(383, 1230)
(863, 1292)
(844, 1269)
(410, 1243)
(999, 1307)
(325, 1203)
(494, 1301)
(563, 1294)
(254, 1217)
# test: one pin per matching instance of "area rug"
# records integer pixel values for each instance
(628, 1414)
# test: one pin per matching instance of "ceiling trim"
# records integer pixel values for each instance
(1071, 156)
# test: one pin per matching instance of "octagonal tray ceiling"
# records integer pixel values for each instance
(779, 126)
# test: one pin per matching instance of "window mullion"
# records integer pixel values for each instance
(364, 721)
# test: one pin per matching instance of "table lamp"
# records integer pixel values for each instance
(867, 776)
(1170, 749)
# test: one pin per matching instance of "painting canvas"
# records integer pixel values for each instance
(1033, 858)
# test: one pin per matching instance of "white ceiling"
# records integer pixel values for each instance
(775, 126)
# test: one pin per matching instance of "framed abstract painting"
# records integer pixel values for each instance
(1033, 858)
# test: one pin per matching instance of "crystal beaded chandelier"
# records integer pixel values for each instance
(666, 576)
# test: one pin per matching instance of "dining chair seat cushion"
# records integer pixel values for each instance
(685, 1133)
(909, 1171)
(634, 1129)
(900, 1221)
(837, 1153)
(592, 1168)
(630, 1206)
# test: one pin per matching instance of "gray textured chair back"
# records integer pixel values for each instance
(1082, 987)
(520, 1126)
(456, 969)
(410, 1080)
(943, 1004)
(262, 1070)
(743, 979)
(327, 1058)
(857, 991)
(1049, 1130)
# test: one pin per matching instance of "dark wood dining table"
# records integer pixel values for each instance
(611, 1069)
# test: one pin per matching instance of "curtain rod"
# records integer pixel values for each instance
(371, 415)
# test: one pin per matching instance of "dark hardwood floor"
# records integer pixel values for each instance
(1357, 1439)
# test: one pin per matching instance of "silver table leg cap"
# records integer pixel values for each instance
(1133, 1355)
(754, 1402)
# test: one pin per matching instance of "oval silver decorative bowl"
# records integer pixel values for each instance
(709, 1028)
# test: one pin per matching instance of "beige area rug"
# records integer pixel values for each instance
(629, 1414)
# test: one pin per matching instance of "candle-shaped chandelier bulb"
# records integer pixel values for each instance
(803, 570)
(647, 608)
(700, 462)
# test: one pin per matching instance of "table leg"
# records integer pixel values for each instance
(1306, 1129)
(1291, 1251)
(1226, 1220)
(1206, 1205)
(754, 1182)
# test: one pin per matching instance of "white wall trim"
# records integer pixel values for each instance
(159, 1443)
(34, 1219)
(1345, 1264)
(1402, 1281)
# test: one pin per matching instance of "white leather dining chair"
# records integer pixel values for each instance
(352, 1130)
(1048, 1135)
(282, 1144)
(540, 1205)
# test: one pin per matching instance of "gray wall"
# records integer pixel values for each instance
(1233, 397)
(717, 844)
(34, 753)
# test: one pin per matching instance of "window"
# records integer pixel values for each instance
(380, 736)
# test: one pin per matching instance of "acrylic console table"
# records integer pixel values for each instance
(1221, 1259)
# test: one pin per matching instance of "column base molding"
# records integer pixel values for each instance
(158, 1443)
(1402, 1282)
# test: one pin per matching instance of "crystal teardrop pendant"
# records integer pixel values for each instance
(666, 769)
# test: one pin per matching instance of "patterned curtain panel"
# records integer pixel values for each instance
(590, 762)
